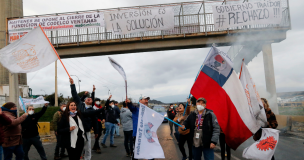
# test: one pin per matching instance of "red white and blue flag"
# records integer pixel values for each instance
(218, 83)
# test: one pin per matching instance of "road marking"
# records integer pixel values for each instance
(297, 138)
(218, 156)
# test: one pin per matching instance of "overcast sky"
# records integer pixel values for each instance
(165, 75)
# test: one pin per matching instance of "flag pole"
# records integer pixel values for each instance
(54, 51)
(126, 90)
(241, 68)
(195, 80)
(22, 104)
(174, 122)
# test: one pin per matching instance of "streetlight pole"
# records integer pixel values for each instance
(78, 82)
(43, 91)
(108, 90)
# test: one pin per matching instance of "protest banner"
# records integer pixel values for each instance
(23, 102)
(61, 22)
(265, 147)
(255, 103)
(248, 13)
(132, 21)
(147, 145)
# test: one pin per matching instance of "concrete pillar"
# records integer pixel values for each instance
(270, 78)
(14, 89)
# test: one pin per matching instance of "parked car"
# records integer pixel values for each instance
(161, 110)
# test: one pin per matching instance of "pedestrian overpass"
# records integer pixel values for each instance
(194, 28)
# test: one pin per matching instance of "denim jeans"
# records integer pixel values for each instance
(17, 150)
(1, 151)
(36, 142)
(110, 129)
(197, 153)
(117, 127)
(59, 146)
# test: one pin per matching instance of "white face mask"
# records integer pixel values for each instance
(113, 106)
(171, 107)
(98, 103)
(30, 112)
(200, 107)
(63, 109)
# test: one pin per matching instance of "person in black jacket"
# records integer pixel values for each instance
(89, 116)
(71, 127)
(204, 129)
(30, 134)
(101, 119)
(171, 114)
(110, 122)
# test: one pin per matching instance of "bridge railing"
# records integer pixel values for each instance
(190, 18)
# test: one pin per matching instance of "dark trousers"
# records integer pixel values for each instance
(17, 150)
(171, 127)
(223, 146)
(198, 151)
(128, 141)
(96, 144)
(1, 151)
(36, 142)
(182, 141)
(75, 153)
(134, 140)
(59, 146)
(176, 134)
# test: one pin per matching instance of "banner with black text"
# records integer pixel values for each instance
(132, 21)
(248, 13)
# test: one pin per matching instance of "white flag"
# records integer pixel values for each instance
(264, 148)
(118, 68)
(28, 54)
(254, 101)
(39, 100)
(147, 145)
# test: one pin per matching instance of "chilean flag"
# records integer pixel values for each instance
(218, 83)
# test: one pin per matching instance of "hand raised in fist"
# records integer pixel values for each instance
(71, 81)
(86, 93)
(110, 96)
(94, 88)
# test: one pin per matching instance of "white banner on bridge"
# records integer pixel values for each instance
(131, 21)
(248, 13)
(61, 22)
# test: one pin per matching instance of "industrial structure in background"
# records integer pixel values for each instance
(10, 8)
(194, 27)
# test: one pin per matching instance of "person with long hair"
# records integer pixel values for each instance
(271, 121)
(184, 135)
(72, 131)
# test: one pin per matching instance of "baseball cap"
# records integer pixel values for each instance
(144, 97)
(201, 99)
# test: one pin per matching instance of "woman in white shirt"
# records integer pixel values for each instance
(70, 127)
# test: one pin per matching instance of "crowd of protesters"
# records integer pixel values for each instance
(74, 121)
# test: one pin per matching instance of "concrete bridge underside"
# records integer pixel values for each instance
(171, 42)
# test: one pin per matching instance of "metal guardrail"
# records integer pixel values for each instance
(190, 18)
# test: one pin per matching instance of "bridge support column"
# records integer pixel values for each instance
(14, 89)
(270, 78)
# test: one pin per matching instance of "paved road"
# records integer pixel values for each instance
(289, 147)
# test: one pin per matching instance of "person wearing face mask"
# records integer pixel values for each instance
(71, 127)
(56, 118)
(89, 116)
(204, 129)
(110, 122)
(171, 114)
(12, 133)
(101, 119)
(30, 134)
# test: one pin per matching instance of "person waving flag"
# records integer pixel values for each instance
(218, 83)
